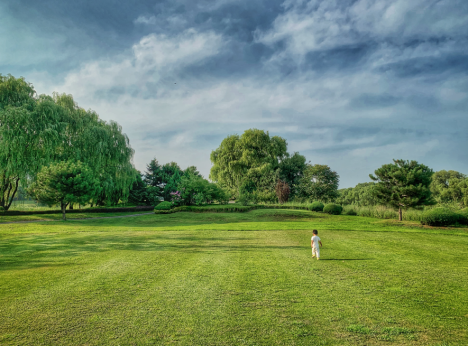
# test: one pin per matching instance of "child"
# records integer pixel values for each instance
(314, 243)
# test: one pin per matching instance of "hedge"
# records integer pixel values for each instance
(82, 210)
(165, 205)
(439, 216)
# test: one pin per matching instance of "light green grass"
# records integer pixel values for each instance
(232, 279)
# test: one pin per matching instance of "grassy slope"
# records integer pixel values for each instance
(230, 279)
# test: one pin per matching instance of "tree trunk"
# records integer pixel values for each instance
(64, 208)
(400, 214)
(6, 193)
(71, 206)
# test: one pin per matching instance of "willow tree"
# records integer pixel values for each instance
(252, 157)
(29, 131)
(35, 131)
(99, 144)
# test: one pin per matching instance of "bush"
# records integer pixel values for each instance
(165, 205)
(332, 209)
(439, 216)
(463, 216)
(2, 209)
(164, 211)
(350, 212)
(214, 208)
(316, 206)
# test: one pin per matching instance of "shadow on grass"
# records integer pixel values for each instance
(346, 259)
(42, 251)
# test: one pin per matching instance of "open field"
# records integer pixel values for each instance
(232, 278)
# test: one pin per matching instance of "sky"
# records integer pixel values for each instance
(351, 84)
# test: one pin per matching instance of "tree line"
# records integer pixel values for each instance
(59, 153)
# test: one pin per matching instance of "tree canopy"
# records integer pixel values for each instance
(38, 130)
(251, 159)
(450, 186)
(318, 182)
(403, 184)
(65, 183)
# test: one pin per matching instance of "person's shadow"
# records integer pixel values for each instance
(346, 259)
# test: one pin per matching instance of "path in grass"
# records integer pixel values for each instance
(203, 279)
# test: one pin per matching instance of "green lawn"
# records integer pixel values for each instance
(232, 279)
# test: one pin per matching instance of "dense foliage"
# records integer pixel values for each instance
(316, 206)
(251, 164)
(165, 205)
(318, 182)
(36, 131)
(64, 183)
(450, 186)
(361, 195)
(332, 209)
(439, 216)
(195, 190)
(403, 184)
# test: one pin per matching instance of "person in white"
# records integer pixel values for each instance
(314, 243)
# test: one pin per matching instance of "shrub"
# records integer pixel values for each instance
(332, 209)
(439, 216)
(351, 212)
(316, 206)
(163, 211)
(165, 205)
(463, 216)
(2, 209)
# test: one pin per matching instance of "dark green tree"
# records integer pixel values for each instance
(138, 194)
(64, 183)
(403, 184)
(318, 183)
(291, 169)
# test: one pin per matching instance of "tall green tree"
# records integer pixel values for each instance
(64, 183)
(318, 182)
(403, 184)
(38, 130)
(30, 129)
(101, 145)
(253, 156)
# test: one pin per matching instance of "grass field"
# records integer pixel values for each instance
(232, 279)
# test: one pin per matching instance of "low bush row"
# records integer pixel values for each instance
(442, 216)
(82, 210)
(165, 205)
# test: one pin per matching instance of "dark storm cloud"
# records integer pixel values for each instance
(352, 84)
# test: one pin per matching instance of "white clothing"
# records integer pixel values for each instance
(315, 239)
(316, 252)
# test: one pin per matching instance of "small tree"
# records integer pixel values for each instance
(282, 191)
(403, 184)
(65, 183)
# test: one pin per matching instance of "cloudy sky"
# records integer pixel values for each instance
(349, 83)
